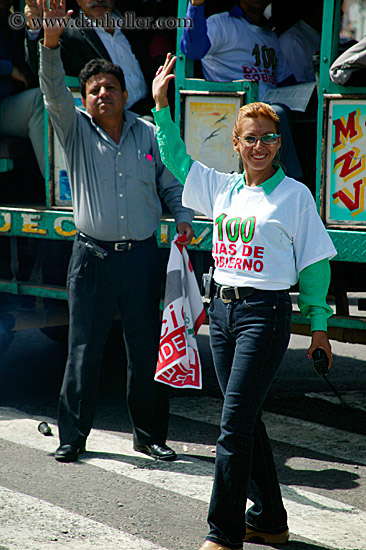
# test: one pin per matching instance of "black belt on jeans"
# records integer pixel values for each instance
(228, 293)
(120, 246)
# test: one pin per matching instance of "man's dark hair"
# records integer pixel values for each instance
(97, 66)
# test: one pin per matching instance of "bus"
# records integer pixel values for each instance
(36, 218)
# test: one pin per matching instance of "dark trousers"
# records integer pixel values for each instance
(131, 281)
(248, 340)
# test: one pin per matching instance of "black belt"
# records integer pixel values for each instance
(228, 293)
(120, 246)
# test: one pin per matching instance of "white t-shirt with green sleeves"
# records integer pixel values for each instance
(206, 185)
(263, 236)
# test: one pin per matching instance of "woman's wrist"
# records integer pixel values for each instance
(161, 103)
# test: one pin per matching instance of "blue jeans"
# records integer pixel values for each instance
(249, 338)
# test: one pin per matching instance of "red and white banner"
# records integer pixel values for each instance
(179, 363)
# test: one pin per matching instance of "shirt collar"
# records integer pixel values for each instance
(236, 11)
(130, 119)
(269, 185)
(94, 23)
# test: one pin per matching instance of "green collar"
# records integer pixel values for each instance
(269, 185)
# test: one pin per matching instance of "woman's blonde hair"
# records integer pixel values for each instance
(255, 110)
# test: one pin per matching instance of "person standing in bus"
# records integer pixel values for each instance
(267, 236)
(79, 43)
(239, 44)
(302, 40)
(115, 174)
(21, 102)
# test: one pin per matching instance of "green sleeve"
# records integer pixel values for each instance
(313, 286)
(172, 148)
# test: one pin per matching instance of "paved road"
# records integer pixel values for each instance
(114, 498)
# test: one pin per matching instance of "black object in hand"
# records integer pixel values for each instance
(320, 361)
(44, 428)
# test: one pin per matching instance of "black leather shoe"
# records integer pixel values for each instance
(68, 453)
(159, 452)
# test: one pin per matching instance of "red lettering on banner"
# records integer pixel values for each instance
(256, 74)
(249, 70)
(247, 250)
(172, 314)
(346, 130)
(167, 328)
(349, 165)
(226, 255)
(351, 203)
(237, 263)
(258, 266)
(166, 352)
(171, 346)
(179, 341)
(180, 376)
(258, 252)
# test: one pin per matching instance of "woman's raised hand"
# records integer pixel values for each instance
(161, 82)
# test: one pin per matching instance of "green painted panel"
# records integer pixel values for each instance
(27, 289)
(350, 245)
(48, 224)
(358, 323)
(202, 231)
(57, 224)
(6, 164)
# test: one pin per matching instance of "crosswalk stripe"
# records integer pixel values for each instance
(59, 529)
(311, 515)
(315, 437)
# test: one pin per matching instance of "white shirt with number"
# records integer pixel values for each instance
(241, 50)
(263, 236)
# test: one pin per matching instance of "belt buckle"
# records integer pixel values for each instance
(224, 300)
(121, 247)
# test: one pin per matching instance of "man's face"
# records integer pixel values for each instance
(104, 99)
(95, 8)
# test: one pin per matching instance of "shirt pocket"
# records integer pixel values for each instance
(146, 170)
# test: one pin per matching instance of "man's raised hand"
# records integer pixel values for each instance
(55, 19)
